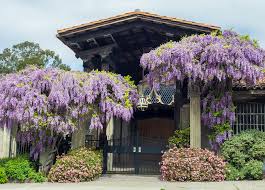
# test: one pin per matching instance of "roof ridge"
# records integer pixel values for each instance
(136, 13)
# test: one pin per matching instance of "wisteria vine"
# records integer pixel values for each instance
(46, 103)
(219, 57)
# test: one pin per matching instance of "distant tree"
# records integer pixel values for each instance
(28, 53)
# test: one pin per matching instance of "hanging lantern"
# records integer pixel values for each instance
(142, 102)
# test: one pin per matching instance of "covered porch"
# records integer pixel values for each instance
(116, 44)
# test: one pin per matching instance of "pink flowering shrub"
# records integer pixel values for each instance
(191, 164)
(78, 166)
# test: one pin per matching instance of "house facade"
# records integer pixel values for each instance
(116, 44)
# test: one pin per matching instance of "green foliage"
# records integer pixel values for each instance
(36, 177)
(77, 166)
(253, 169)
(19, 169)
(219, 129)
(3, 161)
(129, 80)
(28, 53)
(233, 173)
(245, 153)
(3, 176)
(181, 138)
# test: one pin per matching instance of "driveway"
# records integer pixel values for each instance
(130, 182)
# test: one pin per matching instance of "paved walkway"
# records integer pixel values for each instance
(125, 182)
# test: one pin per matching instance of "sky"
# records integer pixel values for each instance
(38, 20)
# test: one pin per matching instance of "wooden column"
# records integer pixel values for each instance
(105, 67)
(78, 136)
(5, 136)
(178, 104)
(195, 116)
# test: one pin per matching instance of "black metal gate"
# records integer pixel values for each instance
(133, 151)
(124, 156)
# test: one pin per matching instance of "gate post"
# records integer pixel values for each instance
(195, 116)
(105, 148)
(178, 104)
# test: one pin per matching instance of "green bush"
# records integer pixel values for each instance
(244, 153)
(36, 177)
(233, 173)
(4, 160)
(181, 138)
(3, 176)
(19, 169)
(77, 166)
(253, 170)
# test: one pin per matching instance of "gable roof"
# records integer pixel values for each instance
(134, 16)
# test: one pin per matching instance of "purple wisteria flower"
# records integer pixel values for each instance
(49, 102)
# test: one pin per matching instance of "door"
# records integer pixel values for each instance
(151, 142)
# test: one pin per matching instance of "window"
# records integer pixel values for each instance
(249, 116)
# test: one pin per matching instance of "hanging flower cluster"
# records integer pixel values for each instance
(48, 102)
(218, 113)
(203, 59)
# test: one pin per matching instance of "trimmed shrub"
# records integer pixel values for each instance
(181, 138)
(77, 166)
(232, 173)
(253, 170)
(245, 153)
(191, 164)
(3, 176)
(19, 169)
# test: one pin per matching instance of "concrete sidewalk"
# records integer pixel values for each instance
(130, 182)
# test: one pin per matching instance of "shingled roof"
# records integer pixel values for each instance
(132, 16)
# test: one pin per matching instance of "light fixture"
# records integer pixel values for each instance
(142, 103)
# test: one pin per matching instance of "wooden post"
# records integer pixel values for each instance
(178, 104)
(195, 116)
(79, 136)
(5, 137)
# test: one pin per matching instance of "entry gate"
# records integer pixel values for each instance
(138, 151)
(134, 157)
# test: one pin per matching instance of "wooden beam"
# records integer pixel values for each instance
(102, 51)
(146, 23)
(99, 33)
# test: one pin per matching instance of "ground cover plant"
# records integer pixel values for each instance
(19, 169)
(3, 176)
(191, 164)
(78, 165)
(180, 138)
(245, 154)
